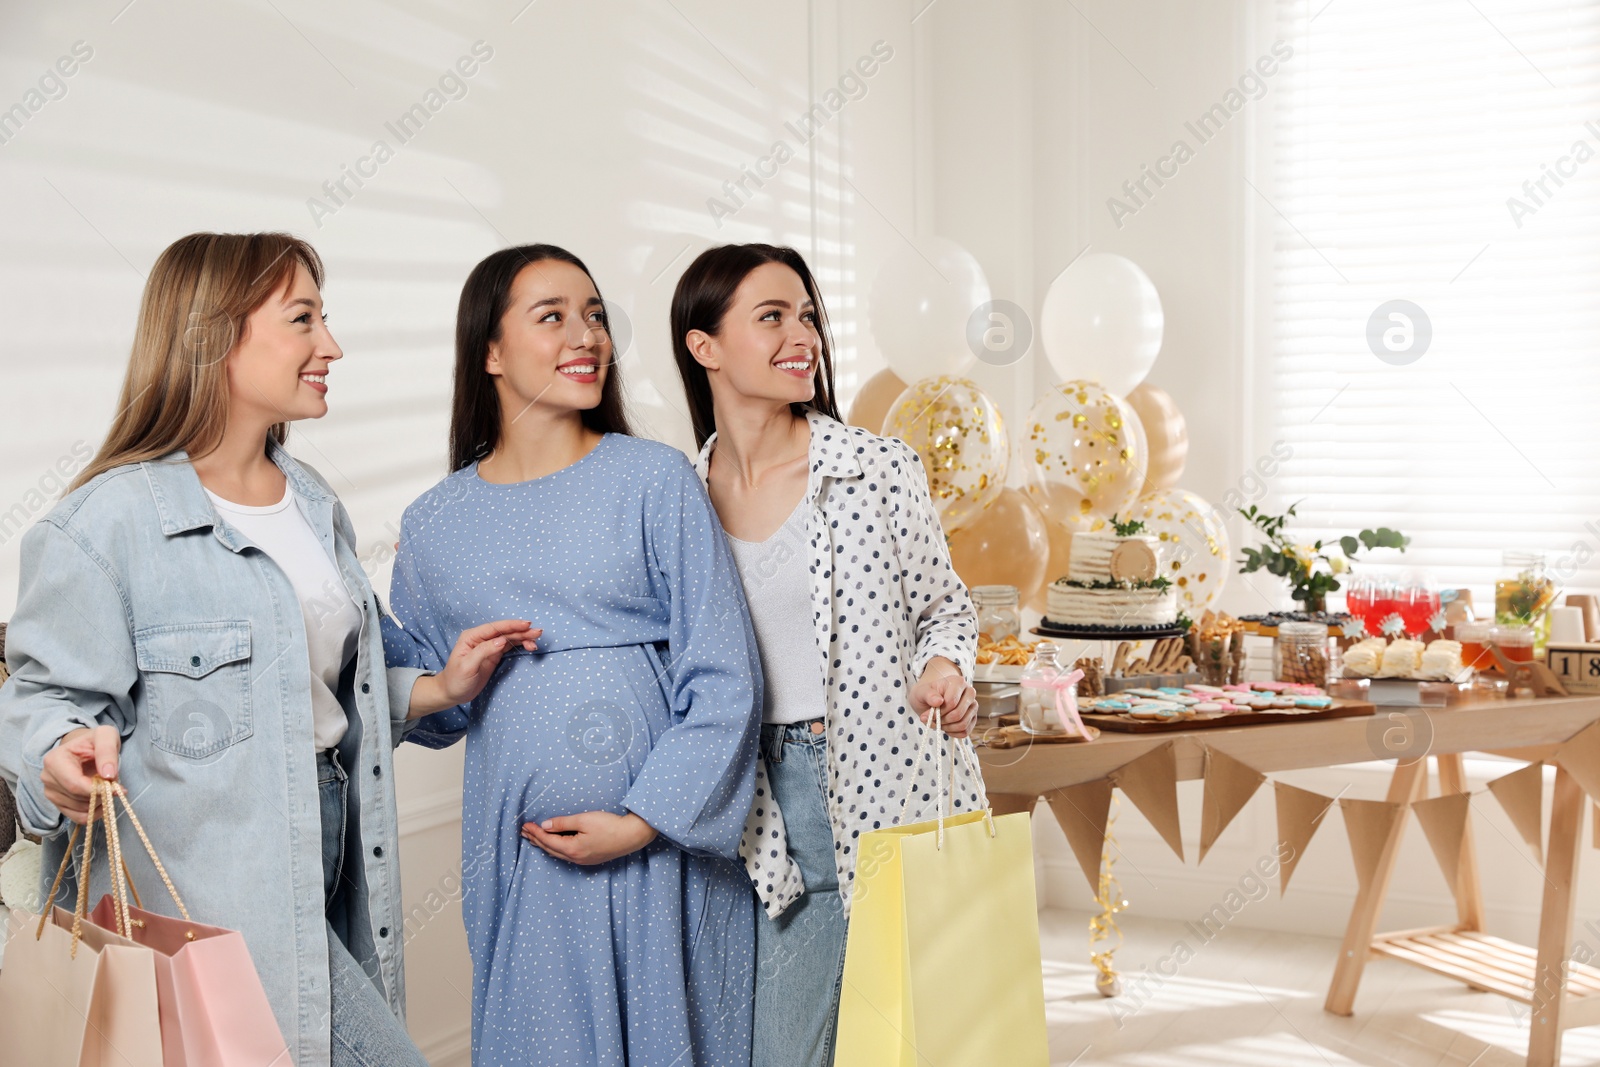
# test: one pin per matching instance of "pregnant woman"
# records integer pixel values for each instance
(194, 623)
(608, 773)
(862, 623)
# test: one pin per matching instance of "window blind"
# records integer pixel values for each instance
(1445, 153)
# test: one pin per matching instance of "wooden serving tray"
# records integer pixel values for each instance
(1340, 709)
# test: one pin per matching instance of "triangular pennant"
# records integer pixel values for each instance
(1300, 812)
(1444, 822)
(1229, 787)
(1369, 824)
(1151, 782)
(1521, 794)
(1580, 757)
(1082, 811)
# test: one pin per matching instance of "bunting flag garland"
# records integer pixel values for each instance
(1369, 824)
(1444, 823)
(1579, 756)
(1082, 811)
(1300, 812)
(1151, 782)
(1229, 787)
(1521, 794)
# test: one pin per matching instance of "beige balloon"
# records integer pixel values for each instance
(1166, 434)
(874, 399)
(1006, 544)
(1060, 541)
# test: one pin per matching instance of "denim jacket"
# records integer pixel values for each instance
(140, 608)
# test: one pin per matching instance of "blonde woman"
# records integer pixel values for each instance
(193, 622)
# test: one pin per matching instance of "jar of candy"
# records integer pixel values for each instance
(998, 614)
(1037, 714)
(1300, 653)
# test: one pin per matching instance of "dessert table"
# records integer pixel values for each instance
(1561, 995)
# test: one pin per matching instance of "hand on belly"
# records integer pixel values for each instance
(590, 838)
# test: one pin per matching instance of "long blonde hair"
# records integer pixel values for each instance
(200, 293)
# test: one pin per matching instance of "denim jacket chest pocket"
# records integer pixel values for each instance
(197, 685)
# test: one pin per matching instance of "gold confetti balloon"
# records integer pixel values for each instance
(1193, 545)
(1084, 455)
(958, 432)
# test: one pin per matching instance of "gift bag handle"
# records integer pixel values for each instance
(933, 732)
(104, 792)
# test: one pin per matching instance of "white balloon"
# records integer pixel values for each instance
(919, 306)
(1102, 322)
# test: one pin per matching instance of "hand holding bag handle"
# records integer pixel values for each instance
(946, 797)
(104, 792)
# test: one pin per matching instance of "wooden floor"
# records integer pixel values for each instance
(1253, 998)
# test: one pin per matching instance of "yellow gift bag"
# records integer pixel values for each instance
(941, 965)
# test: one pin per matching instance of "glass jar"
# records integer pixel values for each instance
(1523, 593)
(1037, 714)
(998, 614)
(1300, 653)
(1515, 642)
(1475, 637)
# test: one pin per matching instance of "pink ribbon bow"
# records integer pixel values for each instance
(1066, 686)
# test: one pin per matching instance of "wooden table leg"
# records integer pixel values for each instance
(1469, 894)
(1011, 803)
(1353, 952)
(1567, 808)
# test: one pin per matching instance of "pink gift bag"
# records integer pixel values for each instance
(212, 1009)
(214, 1012)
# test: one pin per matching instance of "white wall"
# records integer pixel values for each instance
(602, 127)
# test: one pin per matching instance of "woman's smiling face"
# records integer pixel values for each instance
(553, 346)
(768, 346)
(279, 368)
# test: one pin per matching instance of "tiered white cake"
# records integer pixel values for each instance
(1112, 583)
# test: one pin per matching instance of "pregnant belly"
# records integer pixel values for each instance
(564, 732)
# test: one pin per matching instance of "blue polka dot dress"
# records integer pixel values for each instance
(644, 696)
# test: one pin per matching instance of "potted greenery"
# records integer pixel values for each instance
(1310, 569)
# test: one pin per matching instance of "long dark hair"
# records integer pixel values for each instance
(701, 301)
(475, 411)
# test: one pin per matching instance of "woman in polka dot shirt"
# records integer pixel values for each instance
(609, 771)
(862, 623)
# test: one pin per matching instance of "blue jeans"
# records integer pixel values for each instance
(365, 1031)
(800, 954)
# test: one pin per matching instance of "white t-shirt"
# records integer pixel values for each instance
(333, 624)
(777, 583)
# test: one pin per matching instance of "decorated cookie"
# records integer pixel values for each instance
(1151, 711)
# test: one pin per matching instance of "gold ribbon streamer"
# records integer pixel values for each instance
(1103, 927)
